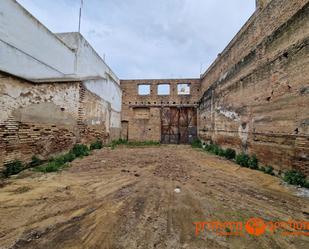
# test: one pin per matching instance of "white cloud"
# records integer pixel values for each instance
(146, 38)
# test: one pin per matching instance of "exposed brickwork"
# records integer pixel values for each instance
(48, 118)
(89, 130)
(256, 92)
(142, 114)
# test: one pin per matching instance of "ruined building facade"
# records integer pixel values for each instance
(256, 93)
(253, 98)
(55, 91)
(160, 110)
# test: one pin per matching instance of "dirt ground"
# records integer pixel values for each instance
(125, 198)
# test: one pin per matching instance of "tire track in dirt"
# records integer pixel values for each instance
(125, 198)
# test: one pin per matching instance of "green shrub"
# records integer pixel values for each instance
(59, 160)
(230, 154)
(62, 159)
(12, 168)
(262, 168)
(269, 170)
(221, 152)
(197, 143)
(35, 161)
(50, 167)
(80, 150)
(57, 163)
(213, 148)
(253, 162)
(295, 178)
(69, 157)
(97, 145)
(243, 160)
(306, 184)
(207, 147)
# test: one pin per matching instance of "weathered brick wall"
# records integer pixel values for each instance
(256, 92)
(142, 113)
(47, 118)
(93, 117)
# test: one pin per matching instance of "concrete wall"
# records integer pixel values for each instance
(88, 63)
(49, 118)
(25, 42)
(65, 93)
(142, 114)
(256, 92)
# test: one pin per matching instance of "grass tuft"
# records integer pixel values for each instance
(197, 143)
(51, 167)
(97, 145)
(116, 143)
(295, 177)
(243, 160)
(12, 168)
(80, 150)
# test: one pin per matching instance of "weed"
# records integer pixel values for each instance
(295, 178)
(269, 170)
(69, 157)
(59, 160)
(35, 161)
(80, 150)
(197, 143)
(230, 154)
(115, 143)
(12, 168)
(221, 152)
(144, 143)
(50, 167)
(253, 162)
(243, 160)
(212, 148)
(97, 145)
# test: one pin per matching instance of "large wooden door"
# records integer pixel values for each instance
(169, 125)
(178, 125)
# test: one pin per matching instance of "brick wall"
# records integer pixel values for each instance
(142, 113)
(48, 118)
(256, 92)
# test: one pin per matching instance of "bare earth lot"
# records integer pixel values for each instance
(125, 198)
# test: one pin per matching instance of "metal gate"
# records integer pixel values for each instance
(178, 125)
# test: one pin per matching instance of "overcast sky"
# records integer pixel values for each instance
(149, 38)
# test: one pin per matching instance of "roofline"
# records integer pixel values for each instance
(80, 36)
(163, 79)
(41, 24)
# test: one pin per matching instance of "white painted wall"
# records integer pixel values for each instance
(27, 44)
(88, 61)
(33, 44)
(107, 90)
(32, 52)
